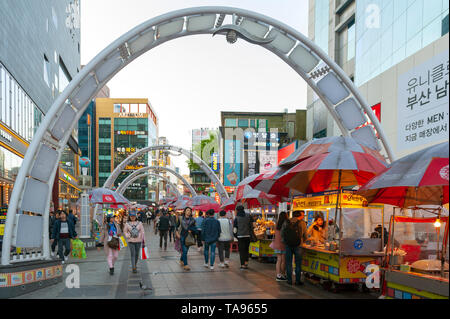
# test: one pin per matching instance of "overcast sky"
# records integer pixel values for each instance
(188, 81)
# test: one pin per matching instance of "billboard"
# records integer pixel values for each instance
(232, 162)
(422, 112)
(267, 160)
(286, 151)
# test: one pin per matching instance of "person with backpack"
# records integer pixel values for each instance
(110, 230)
(163, 227)
(280, 248)
(293, 234)
(134, 232)
(225, 238)
(243, 225)
(210, 235)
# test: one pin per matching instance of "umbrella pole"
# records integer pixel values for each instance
(338, 207)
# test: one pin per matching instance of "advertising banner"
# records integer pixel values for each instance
(267, 161)
(286, 151)
(423, 103)
(215, 162)
(232, 165)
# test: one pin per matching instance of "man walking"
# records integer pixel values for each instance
(210, 235)
(172, 225)
(226, 236)
(63, 231)
(293, 234)
(242, 227)
(198, 222)
(163, 228)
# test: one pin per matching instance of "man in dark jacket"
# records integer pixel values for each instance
(210, 234)
(63, 231)
(163, 228)
(243, 225)
(293, 235)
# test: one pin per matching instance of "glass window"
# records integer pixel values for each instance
(399, 32)
(321, 13)
(46, 71)
(134, 108)
(230, 122)
(414, 44)
(243, 122)
(142, 108)
(414, 19)
(64, 77)
(253, 123)
(126, 108)
(351, 41)
(431, 11)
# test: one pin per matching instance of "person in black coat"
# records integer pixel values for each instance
(163, 227)
(63, 231)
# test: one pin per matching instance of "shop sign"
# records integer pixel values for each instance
(126, 150)
(133, 167)
(215, 162)
(347, 200)
(13, 141)
(122, 114)
(6, 136)
(2, 230)
(131, 133)
(232, 165)
(422, 112)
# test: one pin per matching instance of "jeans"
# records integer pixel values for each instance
(185, 250)
(55, 242)
(163, 234)
(224, 246)
(134, 251)
(213, 252)
(199, 238)
(63, 242)
(290, 253)
(244, 244)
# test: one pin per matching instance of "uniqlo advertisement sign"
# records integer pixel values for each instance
(422, 106)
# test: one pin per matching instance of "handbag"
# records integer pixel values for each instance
(190, 240)
(122, 242)
(144, 252)
(114, 243)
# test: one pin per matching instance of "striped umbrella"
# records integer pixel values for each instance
(254, 198)
(421, 178)
(229, 204)
(333, 170)
(103, 195)
(270, 184)
(328, 145)
(199, 202)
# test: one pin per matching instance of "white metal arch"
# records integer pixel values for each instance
(145, 171)
(123, 186)
(32, 189)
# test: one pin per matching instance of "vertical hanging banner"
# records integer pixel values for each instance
(232, 165)
(423, 103)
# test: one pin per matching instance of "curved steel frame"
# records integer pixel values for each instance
(138, 173)
(39, 166)
(123, 188)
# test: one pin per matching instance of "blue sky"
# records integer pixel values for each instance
(190, 80)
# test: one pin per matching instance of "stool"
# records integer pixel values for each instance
(234, 246)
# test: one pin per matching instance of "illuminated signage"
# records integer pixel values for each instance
(131, 133)
(133, 167)
(215, 162)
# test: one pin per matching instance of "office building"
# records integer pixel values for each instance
(39, 56)
(396, 52)
(124, 126)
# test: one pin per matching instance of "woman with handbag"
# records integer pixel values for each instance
(187, 235)
(243, 231)
(134, 232)
(110, 237)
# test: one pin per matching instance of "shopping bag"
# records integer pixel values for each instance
(122, 242)
(190, 240)
(78, 250)
(144, 252)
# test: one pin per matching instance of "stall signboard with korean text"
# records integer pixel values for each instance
(328, 199)
(215, 162)
(423, 103)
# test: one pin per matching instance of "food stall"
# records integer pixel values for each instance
(349, 245)
(416, 259)
(264, 231)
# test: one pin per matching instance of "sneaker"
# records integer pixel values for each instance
(227, 263)
(187, 268)
(181, 263)
(205, 265)
(242, 267)
(52, 254)
(211, 268)
(134, 270)
(245, 266)
(281, 278)
(221, 265)
(111, 271)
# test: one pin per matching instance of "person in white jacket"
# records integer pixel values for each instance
(226, 236)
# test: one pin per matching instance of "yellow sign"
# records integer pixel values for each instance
(2, 230)
(348, 199)
(133, 167)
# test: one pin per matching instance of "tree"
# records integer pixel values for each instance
(204, 150)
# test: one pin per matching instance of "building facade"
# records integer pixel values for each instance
(251, 141)
(124, 126)
(39, 55)
(396, 52)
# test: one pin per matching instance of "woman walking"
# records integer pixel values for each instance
(243, 225)
(134, 232)
(187, 228)
(280, 249)
(226, 236)
(110, 237)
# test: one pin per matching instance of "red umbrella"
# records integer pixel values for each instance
(205, 207)
(229, 204)
(421, 178)
(332, 170)
(255, 198)
(202, 202)
(245, 182)
(270, 184)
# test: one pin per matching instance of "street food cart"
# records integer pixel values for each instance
(264, 231)
(416, 260)
(349, 245)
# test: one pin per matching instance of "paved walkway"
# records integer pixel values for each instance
(166, 278)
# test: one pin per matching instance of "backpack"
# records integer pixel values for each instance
(134, 232)
(292, 234)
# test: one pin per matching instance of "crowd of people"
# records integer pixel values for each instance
(206, 232)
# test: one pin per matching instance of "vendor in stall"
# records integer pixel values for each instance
(316, 233)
